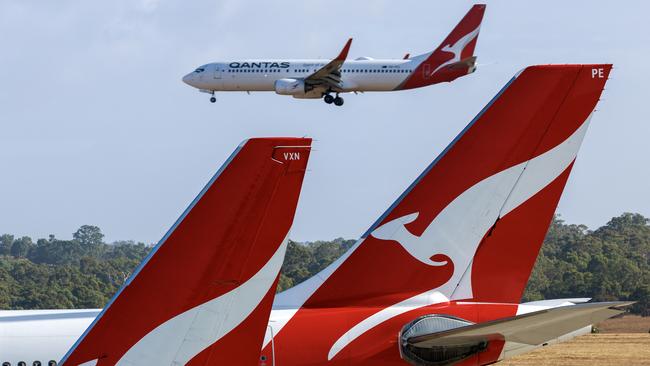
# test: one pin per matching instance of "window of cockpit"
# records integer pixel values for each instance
(199, 70)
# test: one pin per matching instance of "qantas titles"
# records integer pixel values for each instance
(259, 65)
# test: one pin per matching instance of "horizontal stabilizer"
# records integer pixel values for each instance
(533, 328)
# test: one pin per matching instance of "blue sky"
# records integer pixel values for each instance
(97, 128)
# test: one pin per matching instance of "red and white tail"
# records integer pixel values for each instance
(470, 227)
(453, 58)
(204, 294)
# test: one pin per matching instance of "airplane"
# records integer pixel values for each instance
(315, 79)
(204, 293)
(438, 278)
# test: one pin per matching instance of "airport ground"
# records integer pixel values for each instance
(619, 341)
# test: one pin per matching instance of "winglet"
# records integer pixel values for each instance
(344, 52)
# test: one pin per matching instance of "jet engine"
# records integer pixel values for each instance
(289, 86)
(444, 353)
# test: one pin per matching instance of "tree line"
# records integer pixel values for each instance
(609, 263)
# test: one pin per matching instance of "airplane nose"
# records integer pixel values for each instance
(188, 79)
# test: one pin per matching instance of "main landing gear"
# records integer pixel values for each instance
(329, 99)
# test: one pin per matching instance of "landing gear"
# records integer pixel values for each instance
(329, 99)
(213, 99)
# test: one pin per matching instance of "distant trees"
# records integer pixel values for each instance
(6, 241)
(83, 272)
(304, 260)
(21, 247)
(610, 263)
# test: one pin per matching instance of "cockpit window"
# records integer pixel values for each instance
(199, 70)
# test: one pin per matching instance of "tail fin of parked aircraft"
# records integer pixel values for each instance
(453, 58)
(204, 294)
(470, 227)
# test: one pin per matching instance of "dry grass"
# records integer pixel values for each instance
(620, 341)
(626, 324)
(591, 350)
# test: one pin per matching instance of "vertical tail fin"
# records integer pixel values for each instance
(205, 293)
(453, 58)
(470, 227)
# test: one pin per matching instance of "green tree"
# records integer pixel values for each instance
(6, 241)
(21, 247)
(89, 236)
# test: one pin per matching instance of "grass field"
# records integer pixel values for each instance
(621, 341)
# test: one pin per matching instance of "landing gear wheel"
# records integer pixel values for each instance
(328, 99)
(338, 101)
(213, 99)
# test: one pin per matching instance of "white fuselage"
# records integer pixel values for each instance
(261, 75)
(46, 335)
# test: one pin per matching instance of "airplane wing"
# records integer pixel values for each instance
(204, 294)
(329, 76)
(532, 328)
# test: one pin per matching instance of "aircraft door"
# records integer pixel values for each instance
(426, 71)
(217, 72)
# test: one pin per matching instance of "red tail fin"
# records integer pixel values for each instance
(453, 58)
(471, 225)
(204, 294)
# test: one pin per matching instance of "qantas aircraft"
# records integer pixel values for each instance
(315, 79)
(203, 295)
(436, 280)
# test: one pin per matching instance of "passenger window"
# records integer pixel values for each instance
(6, 364)
(51, 363)
(22, 363)
(36, 363)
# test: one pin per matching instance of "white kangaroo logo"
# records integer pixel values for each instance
(457, 48)
(415, 245)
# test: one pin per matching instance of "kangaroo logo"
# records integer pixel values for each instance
(457, 48)
(416, 246)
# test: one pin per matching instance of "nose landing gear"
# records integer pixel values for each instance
(329, 99)
(212, 98)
